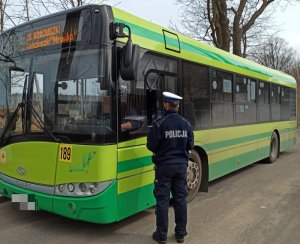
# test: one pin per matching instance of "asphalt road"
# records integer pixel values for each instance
(258, 204)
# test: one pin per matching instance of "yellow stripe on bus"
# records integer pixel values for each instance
(134, 182)
(135, 171)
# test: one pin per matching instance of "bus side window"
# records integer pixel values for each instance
(151, 107)
(196, 94)
(158, 74)
(106, 105)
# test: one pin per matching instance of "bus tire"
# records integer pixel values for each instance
(274, 148)
(194, 175)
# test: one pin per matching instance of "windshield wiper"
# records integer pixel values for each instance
(37, 116)
(6, 59)
(23, 106)
(40, 122)
(26, 106)
(11, 121)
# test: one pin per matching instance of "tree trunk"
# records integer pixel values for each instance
(1, 16)
(240, 30)
(236, 43)
(220, 24)
(27, 10)
(237, 34)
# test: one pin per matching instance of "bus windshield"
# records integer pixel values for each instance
(68, 92)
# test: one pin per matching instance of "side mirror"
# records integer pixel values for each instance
(130, 61)
(63, 85)
(16, 68)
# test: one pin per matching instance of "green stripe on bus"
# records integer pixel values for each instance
(228, 165)
(152, 35)
(134, 164)
(139, 162)
(236, 141)
(135, 181)
(134, 172)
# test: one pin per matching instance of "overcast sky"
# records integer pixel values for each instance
(164, 11)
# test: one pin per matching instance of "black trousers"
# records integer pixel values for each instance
(170, 178)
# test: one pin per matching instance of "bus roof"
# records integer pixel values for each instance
(155, 37)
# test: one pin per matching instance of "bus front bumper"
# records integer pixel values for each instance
(101, 208)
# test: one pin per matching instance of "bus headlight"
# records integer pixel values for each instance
(61, 188)
(92, 190)
(82, 189)
(71, 187)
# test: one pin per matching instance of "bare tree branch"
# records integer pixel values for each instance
(231, 24)
(276, 54)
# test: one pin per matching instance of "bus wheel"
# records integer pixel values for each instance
(194, 174)
(274, 146)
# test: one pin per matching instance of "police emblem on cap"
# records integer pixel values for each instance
(171, 97)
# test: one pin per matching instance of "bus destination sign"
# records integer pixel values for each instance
(49, 36)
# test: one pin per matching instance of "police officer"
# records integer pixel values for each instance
(170, 139)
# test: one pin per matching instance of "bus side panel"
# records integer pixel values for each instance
(220, 163)
(136, 200)
(293, 136)
(284, 139)
(135, 180)
(232, 148)
(263, 148)
(245, 155)
(288, 135)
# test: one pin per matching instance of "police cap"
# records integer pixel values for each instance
(171, 98)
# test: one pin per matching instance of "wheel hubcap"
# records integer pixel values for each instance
(193, 174)
(273, 148)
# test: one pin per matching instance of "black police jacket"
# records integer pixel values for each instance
(170, 139)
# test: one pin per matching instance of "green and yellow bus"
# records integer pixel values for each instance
(69, 81)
